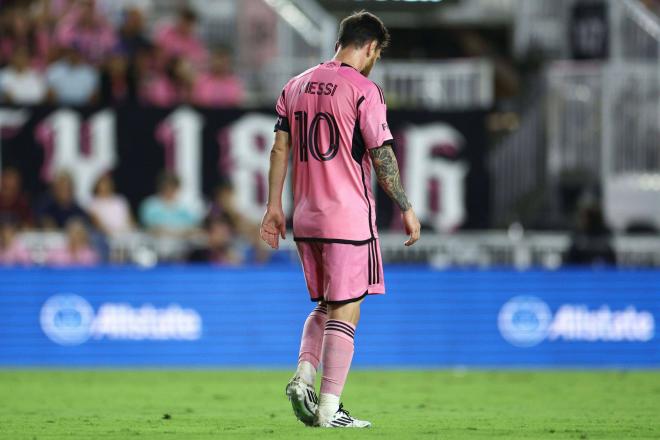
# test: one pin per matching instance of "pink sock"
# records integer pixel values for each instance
(337, 355)
(311, 342)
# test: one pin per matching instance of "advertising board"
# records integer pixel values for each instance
(210, 317)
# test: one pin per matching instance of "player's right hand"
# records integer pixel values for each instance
(273, 226)
(411, 226)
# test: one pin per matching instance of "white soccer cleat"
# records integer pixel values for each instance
(303, 399)
(341, 419)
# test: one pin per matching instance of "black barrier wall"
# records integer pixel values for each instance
(442, 155)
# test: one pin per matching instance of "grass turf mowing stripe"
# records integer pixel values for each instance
(75, 404)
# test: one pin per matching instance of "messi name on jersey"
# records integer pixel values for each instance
(320, 88)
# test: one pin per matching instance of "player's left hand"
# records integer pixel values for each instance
(273, 226)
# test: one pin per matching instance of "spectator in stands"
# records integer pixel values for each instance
(87, 30)
(47, 50)
(223, 208)
(12, 251)
(17, 29)
(77, 251)
(110, 211)
(168, 86)
(132, 38)
(179, 39)
(164, 214)
(59, 205)
(135, 44)
(56, 9)
(591, 243)
(118, 82)
(222, 203)
(21, 84)
(72, 80)
(219, 248)
(116, 10)
(14, 202)
(219, 86)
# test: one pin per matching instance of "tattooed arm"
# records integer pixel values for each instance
(387, 172)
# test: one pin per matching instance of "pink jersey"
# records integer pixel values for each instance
(334, 115)
(175, 43)
(212, 91)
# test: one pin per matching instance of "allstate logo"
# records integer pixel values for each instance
(524, 321)
(67, 319)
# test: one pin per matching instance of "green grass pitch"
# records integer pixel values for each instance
(43, 404)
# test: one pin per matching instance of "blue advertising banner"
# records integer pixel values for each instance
(204, 316)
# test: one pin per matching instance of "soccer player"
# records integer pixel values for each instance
(333, 118)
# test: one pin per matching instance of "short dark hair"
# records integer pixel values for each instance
(187, 14)
(360, 27)
(166, 179)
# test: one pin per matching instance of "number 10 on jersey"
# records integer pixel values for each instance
(309, 138)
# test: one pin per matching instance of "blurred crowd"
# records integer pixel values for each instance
(219, 235)
(101, 52)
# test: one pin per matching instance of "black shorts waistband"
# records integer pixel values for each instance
(345, 301)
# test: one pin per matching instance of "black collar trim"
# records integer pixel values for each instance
(348, 65)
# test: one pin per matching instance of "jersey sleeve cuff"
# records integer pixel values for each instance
(389, 142)
(282, 124)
